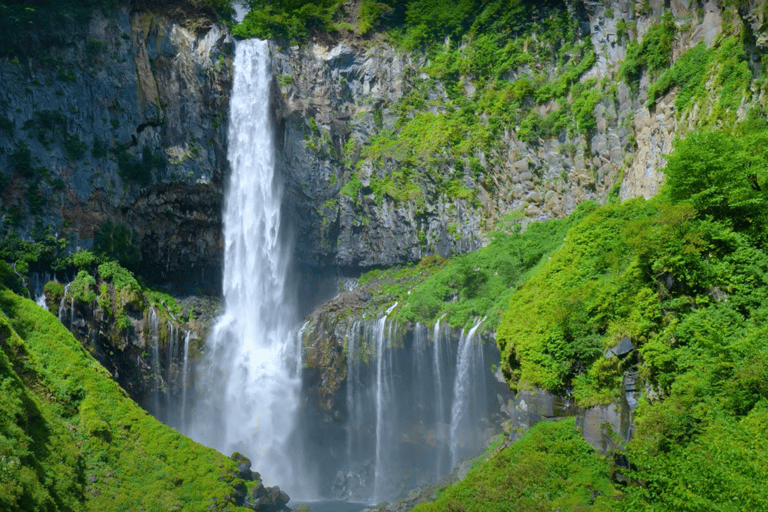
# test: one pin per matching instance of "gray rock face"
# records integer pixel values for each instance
(532, 406)
(605, 427)
(334, 99)
(126, 123)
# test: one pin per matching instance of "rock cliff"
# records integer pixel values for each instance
(125, 122)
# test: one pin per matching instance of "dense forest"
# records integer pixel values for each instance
(682, 276)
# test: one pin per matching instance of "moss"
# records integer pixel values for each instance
(83, 288)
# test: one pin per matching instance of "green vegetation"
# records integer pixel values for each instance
(71, 440)
(684, 277)
(44, 251)
(550, 468)
(139, 170)
(653, 55)
(717, 81)
(116, 242)
(482, 69)
(288, 19)
(477, 285)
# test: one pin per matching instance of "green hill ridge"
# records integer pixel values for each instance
(71, 439)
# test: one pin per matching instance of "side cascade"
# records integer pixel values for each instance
(417, 404)
(247, 387)
(154, 332)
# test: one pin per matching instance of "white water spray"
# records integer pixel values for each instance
(154, 331)
(470, 354)
(63, 304)
(251, 387)
(184, 373)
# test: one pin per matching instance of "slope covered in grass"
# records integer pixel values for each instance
(70, 438)
(550, 468)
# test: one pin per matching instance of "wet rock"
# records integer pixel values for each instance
(621, 350)
(605, 427)
(244, 467)
(531, 406)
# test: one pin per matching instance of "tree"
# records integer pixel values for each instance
(722, 176)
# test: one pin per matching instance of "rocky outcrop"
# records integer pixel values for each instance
(146, 342)
(606, 427)
(126, 123)
(253, 495)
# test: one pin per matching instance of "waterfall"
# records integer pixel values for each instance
(184, 374)
(465, 394)
(248, 391)
(63, 304)
(386, 414)
(439, 395)
(154, 332)
(169, 370)
(403, 389)
(38, 282)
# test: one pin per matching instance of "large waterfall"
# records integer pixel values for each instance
(250, 371)
(415, 398)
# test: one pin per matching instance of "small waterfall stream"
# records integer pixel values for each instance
(465, 389)
(154, 334)
(184, 377)
(63, 304)
(170, 406)
(415, 407)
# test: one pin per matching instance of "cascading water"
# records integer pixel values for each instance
(184, 376)
(251, 387)
(169, 369)
(466, 387)
(154, 332)
(414, 407)
(63, 304)
(397, 431)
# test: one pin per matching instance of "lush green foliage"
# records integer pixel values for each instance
(716, 80)
(550, 468)
(70, 439)
(685, 277)
(653, 54)
(44, 251)
(480, 71)
(474, 286)
(288, 19)
(686, 73)
(722, 176)
(112, 241)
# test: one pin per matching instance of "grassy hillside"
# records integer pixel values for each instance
(70, 438)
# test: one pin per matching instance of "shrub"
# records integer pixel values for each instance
(83, 288)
